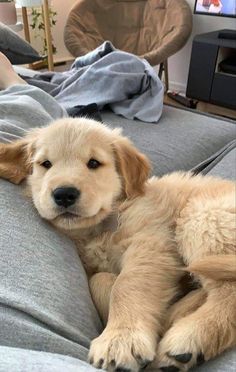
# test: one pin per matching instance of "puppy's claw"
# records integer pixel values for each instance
(145, 364)
(142, 362)
(200, 359)
(113, 363)
(100, 363)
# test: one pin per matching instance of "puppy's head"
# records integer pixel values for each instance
(76, 170)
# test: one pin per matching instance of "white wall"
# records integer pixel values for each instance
(179, 63)
(62, 8)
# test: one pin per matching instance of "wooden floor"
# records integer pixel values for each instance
(206, 108)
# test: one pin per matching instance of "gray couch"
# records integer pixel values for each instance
(47, 318)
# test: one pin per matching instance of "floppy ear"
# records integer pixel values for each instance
(15, 160)
(133, 166)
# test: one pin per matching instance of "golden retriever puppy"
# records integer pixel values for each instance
(134, 235)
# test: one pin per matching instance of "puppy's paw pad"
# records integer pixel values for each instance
(182, 358)
(179, 350)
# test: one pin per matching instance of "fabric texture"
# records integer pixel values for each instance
(23, 107)
(17, 50)
(44, 297)
(214, 163)
(180, 141)
(90, 111)
(223, 363)
(20, 360)
(150, 29)
(106, 76)
(225, 166)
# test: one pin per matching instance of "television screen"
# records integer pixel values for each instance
(224, 8)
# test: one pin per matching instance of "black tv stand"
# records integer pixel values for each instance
(212, 76)
(227, 34)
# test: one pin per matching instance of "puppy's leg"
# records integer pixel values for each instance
(187, 305)
(138, 303)
(100, 287)
(206, 227)
(203, 334)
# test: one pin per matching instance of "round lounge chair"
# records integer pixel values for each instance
(150, 29)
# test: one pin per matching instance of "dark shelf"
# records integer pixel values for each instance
(206, 81)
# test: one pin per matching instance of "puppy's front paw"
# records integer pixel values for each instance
(122, 350)
(180, 349)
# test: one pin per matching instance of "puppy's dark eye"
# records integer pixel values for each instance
(46, 164)
(93, 164)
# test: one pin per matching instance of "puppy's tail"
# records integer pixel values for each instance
(221, 267)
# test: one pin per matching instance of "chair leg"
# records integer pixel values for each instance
(164, 67)
(166, 72)
(161, 68)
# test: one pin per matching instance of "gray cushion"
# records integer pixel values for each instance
(221, 164)
(17, 50)
(44, 297)
(225, 167)
(181, 140)
(224, 363)
(45, 302)
(20, 360)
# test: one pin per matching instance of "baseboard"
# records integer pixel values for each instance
(178, 87)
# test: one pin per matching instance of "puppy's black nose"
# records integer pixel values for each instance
(65, 196)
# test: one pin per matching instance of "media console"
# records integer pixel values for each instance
(212, 76)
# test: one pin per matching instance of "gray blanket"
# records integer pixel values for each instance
(106, 76)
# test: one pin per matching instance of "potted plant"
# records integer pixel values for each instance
(8, 12)
(38, 26)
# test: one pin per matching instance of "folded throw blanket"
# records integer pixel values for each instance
(107, 76)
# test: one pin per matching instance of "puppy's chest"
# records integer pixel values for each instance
(103, 253)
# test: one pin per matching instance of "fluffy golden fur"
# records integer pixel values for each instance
(134, 235)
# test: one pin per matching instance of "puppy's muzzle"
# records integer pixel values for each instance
(65, 196)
